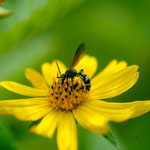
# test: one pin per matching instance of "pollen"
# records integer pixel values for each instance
(67, 94)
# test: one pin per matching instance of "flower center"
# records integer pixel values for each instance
(67, 94)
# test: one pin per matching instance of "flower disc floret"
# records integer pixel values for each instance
(67, 94)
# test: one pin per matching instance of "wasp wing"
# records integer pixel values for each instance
(80, 53)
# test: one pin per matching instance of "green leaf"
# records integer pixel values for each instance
(39, 20)
(100, 142)
(111, 139)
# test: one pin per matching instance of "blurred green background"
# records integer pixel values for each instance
(40, 31)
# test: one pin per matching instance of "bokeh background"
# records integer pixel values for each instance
(40, 31)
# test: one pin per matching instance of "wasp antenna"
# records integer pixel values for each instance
(58, 75)
(58, 68)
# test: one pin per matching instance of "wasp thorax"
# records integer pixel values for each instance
(67, 94)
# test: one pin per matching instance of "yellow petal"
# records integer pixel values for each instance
(119, 111)
(67, 132)
(105, 109)
(113, 67)
(36, 79)
(22, 89)
(25, 109)
(91, 120)
(116, 84)
(48, 124)
(89, 64)
(50, 71)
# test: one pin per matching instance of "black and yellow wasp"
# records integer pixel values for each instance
(72, 72)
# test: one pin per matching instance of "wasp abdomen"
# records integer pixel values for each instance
(86, 79)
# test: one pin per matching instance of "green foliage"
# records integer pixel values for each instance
(7, 141)
(4, 12)
(40, 31)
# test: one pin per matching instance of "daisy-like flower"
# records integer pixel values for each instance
(60, 102)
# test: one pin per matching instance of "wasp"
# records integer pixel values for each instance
(72, 72)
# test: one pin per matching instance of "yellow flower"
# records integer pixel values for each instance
(59, 104)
